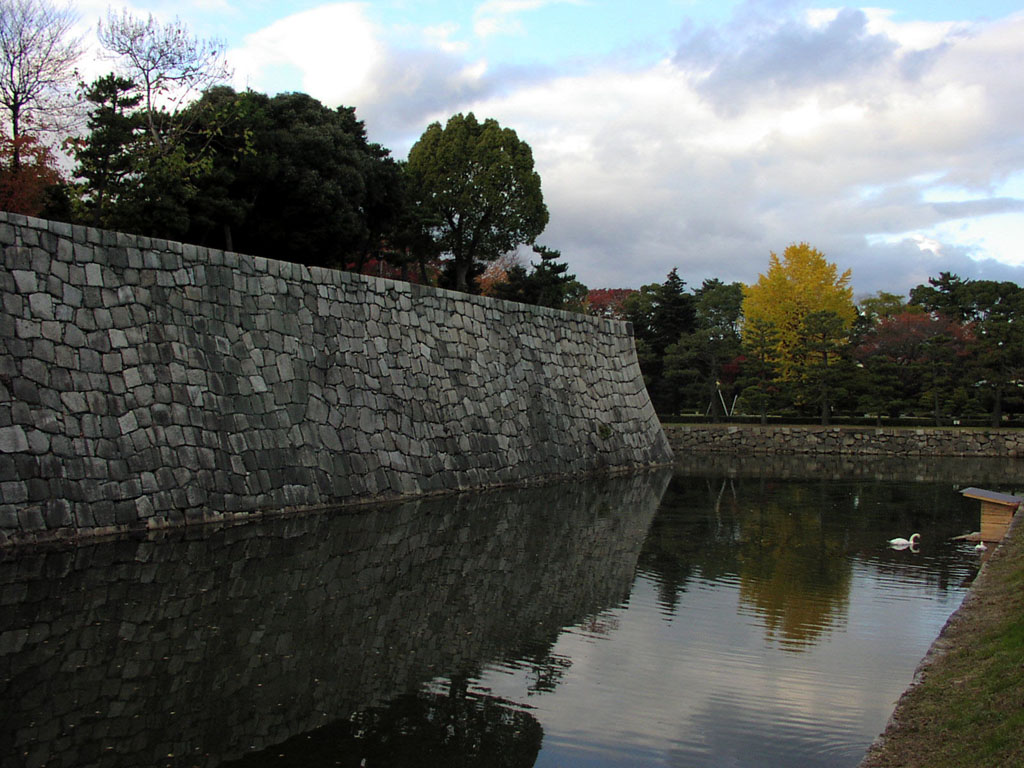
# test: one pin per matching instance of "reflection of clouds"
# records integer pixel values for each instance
(725, 562)
(784, 739)
(691, 687)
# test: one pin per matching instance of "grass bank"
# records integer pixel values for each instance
(966, 706)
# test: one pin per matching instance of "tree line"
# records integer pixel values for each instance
(795, 343)
(163, 148)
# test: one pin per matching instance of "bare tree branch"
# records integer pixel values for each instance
(170, 65)
(37, 66)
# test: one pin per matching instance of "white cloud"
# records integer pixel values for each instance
(328, 52)
(339, 55)
(652, 169)
(914, 35)
(998, 236)
(441, 37)
(501, 17)
(841, 128)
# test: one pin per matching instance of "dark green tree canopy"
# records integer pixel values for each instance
(291, 178)
(700, 363)
(548, 285)
(106, 162)
(476, 189)
(305, 182)
(661, 313)
(133, 182)
(945, 294)
(719, 307)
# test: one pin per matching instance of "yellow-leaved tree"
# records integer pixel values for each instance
(798, 295)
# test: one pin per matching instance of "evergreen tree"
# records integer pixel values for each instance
(820, 375)
(660, 314)
(700, 363)
(106, 156)
(759, 385)
(548, 285)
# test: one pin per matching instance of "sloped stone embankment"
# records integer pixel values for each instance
(146, 383)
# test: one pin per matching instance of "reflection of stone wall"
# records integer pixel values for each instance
(210, 643)
(145, 382)
(855, 441)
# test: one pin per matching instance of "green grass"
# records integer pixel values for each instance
(968, 711)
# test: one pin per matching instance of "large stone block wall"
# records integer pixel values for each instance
(145, 382)
(845, 441)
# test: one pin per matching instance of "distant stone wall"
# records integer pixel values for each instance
(146, 383)
(983, 471)
(846, 441)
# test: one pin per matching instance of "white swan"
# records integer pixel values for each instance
(899, 543)
(980, 547)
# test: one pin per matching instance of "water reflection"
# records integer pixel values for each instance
(792, 546)
(988, 472)
(213, 645)
(717, 616)
(451, 727)
(793, 575)
(770, 625)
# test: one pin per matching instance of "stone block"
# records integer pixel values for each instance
(38, 442)
(13, 492)
(103, 513)
(127, 423)
(25, 280)
(31, 519)
(57, 514)
(13, 439)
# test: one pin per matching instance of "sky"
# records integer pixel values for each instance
(692, 134)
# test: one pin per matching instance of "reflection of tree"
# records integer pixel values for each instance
(548, 673)
(793, 572)
(547, 669)
(784, 541)
(447, 726)
(791, 543)
(674, 541)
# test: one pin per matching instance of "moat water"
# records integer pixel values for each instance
(701, 617)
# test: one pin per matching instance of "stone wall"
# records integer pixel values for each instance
(845, 441)
(146, 383)
(195, 647)
(982, 471)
